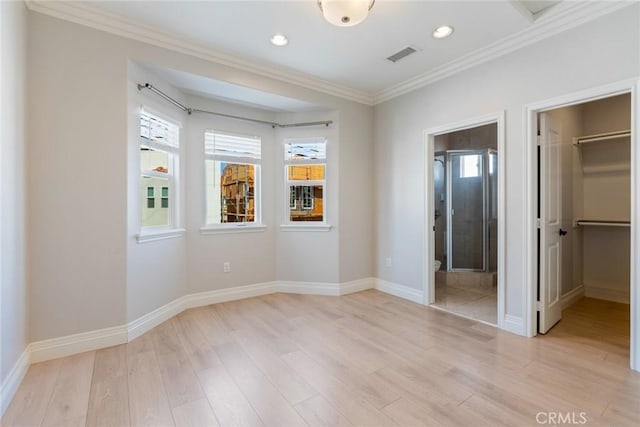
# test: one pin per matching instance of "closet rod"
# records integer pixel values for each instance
(604, 223)
(229, 116)
(602, 137)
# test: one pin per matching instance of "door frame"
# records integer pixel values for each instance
(530, 119)
(429, 235)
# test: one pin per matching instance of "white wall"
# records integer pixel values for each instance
(77, 166)
(356, 195)
(87, 271)
(311, 256)
(156, 271)
(251, 254)
(603, 51)
(13, 291)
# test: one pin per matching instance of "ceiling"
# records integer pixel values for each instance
(225, 91)
(352, 57)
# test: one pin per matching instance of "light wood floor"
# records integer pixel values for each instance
(364, 359)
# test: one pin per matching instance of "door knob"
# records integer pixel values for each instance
(562, 232)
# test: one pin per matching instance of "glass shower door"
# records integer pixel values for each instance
(466, 211)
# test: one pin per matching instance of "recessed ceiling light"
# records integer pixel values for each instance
(443, 31)
(279, 40)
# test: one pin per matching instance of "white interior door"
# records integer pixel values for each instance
(550, 277)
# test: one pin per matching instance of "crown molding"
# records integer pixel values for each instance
(562, 17)
(566, 15)
(93, 17)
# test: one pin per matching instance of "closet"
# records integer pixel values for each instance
(593, 151)
(602, 199)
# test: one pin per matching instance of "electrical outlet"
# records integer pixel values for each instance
(387, 262)
(226, 267)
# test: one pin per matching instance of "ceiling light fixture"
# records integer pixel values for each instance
(279, 40)
(345, 13)
(443, 31)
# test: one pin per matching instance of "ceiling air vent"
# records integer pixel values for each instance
(402, 54)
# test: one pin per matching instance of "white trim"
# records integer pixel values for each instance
(635, 230)
(572, 297)
(152, 236)
(232, 228)
(513, 324)
(562, 17)
(76, 343)
(607, 294)
(148, 321)
(402, 291)
(530, 137)
(13, 380)
(357, 285)
(522, 10)
(93, 17)
(428, 247)
(305, 226)
(310, 288)
(229, 294)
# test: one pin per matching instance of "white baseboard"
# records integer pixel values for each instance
(54, 348)
(401, 291)
(513, 324)
(229, 294)
(72, 344)
(357, 285)
(572, 297)
(309, 288)
(607, 294)
(148, 321)
(93, 340)
(11, 383)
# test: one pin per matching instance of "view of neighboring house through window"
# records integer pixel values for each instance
(158, 159)
(151, 200)
(232, 164)
(305, 164)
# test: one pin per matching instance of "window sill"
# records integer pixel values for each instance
(152, 236)
(213, 229)
(305, 227)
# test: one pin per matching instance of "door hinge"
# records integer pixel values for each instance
(538, 306)
(538, 223)
(538, 140)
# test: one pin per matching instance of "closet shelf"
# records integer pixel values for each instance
(602, 223)
(601, 137)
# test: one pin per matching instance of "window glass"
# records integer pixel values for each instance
(308, 203)
(158, 159)
(153, 213)
(232, 173)
(470, 166)
(305, 172)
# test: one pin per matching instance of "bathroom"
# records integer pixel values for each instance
(466, 218)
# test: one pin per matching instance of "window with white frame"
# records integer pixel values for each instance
(159, 148)
(232, 165)
(305, 175)
(470, 165)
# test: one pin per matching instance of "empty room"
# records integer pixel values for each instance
(319, 213)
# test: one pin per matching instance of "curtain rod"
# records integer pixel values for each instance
(229, 116)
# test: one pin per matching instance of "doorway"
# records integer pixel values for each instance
(463, 191)
(582, 175)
